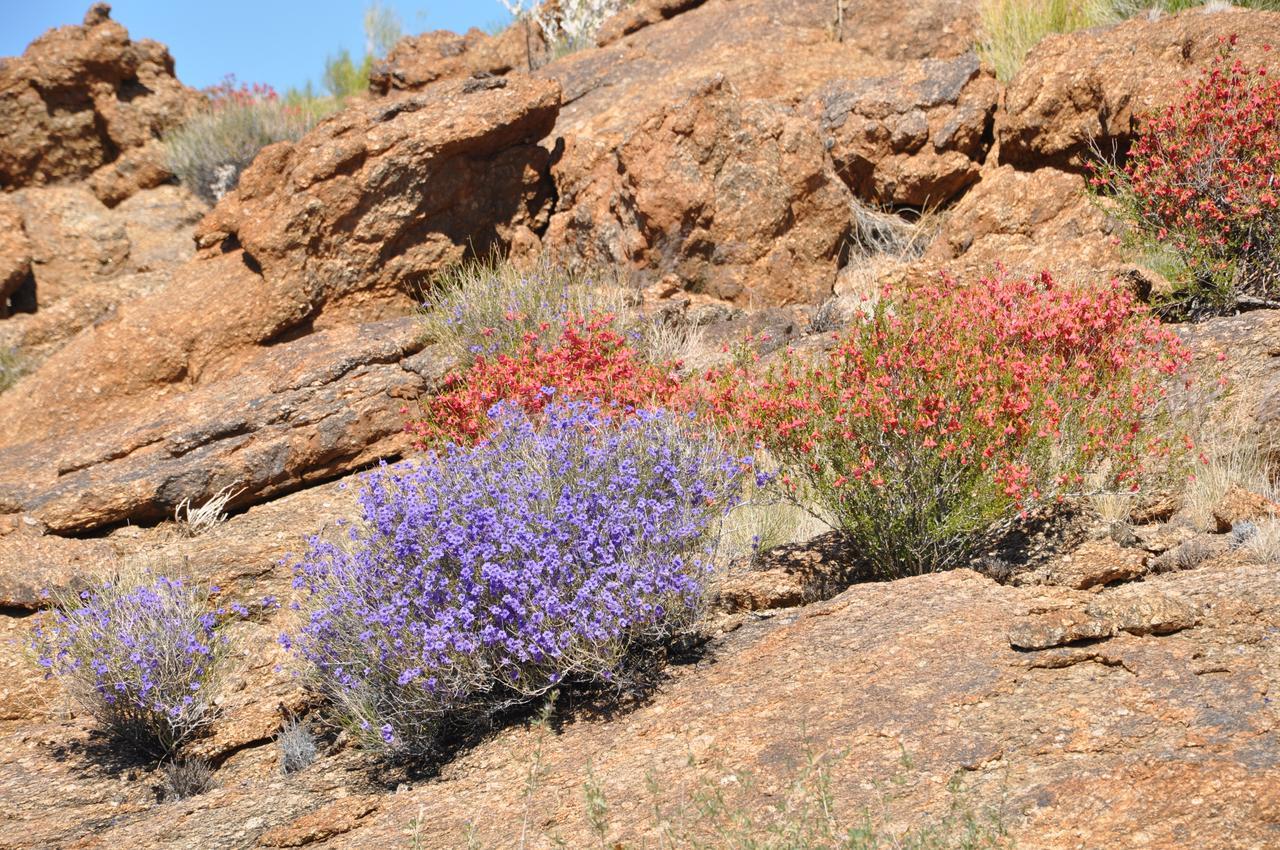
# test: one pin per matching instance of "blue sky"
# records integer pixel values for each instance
(280, 42)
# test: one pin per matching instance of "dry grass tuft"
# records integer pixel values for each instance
(1232, 459)
(1011, 28)
(196, 521)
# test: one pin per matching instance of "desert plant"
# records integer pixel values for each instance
(1230, 457)
(876, 232)
(1200, 182)
(1156, 8)
(1010, 28)
(767, 516)
(1262, 544)
(724, 813)
(951, 407)
(11, 367)
(140, 652)
(490, 306)
(880, 242)
(184, 778)
(209, 151)
(566, 25)
(343, 77)
(482, 577)
(589, 361)
(297, 747)
(196, 521)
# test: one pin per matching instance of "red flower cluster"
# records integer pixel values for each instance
(228, 93)
(1203, 177)
(589, 361)
(953, 406)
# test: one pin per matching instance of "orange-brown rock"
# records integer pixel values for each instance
(15, 260)
(1029, 221)
(1158, 725)
(383, 193)
(637, 15)
(1242, 351)
(789, 575)
(729, 195)
(916, 138)
(1093, 87)
(82, 260)
(88, 102)
(74, 239)
(325, 822)
(299, 411)
(1096, 563)
(930, 29)
(335, 229)
(719, 180)
(419, 60)
(1241, 505)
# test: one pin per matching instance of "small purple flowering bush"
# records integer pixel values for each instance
(480, 577)
(141, 652)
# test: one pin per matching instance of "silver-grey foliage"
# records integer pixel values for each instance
(186, 778)
(297, 747)
(210, 150)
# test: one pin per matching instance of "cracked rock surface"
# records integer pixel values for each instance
(1158, 721)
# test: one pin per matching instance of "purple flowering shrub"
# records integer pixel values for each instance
(140, 652)
(480, 577)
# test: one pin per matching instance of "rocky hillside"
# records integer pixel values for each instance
(744, 166)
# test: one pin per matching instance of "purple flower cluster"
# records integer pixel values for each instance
(482, 576)
(139, 652)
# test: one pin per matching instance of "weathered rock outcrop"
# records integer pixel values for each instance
(1084, 718)
(1242, 351)
(333, 230)
(87, 102)
(381, 194)
(1029, 221)
(77, 260)
(635, 16)
(15, 261)
(937, 29)
(721, 194)
(298, 412)
(1093, 87)
(914, 139)
(419, 60)
(719, 179)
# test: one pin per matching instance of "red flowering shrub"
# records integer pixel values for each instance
(211, 149)
(588, 361)
(951, 407)
(227, 94)
(1201, 181)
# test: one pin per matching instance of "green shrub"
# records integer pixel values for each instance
(343, 77)
(1010, 28)
(11, 368)
(209, 151)
(950, 408)
(494, 307)
(1198, 189)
